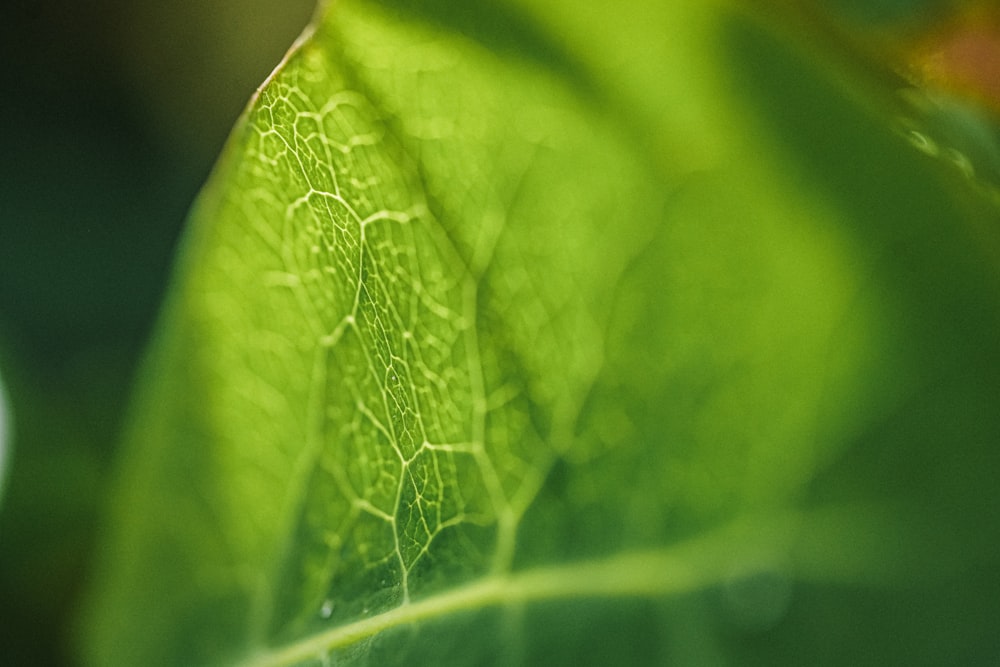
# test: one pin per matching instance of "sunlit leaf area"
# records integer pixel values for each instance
(507, 332)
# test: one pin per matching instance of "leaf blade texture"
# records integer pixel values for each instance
(459, 367)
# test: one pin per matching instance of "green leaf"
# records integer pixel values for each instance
(563, 334)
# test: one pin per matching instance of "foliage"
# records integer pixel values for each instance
(548, 333)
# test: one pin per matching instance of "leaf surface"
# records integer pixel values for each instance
(529, 337)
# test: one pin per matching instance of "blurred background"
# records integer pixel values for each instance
(112, 114)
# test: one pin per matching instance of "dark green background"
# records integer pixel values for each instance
(112, 114)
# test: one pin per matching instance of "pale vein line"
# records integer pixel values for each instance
(620, 577)
(693, 565)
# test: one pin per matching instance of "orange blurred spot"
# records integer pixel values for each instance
(962, 57)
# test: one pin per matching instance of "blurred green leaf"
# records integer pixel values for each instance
(575, 334)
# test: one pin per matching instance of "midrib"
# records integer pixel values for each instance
(680, 568)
